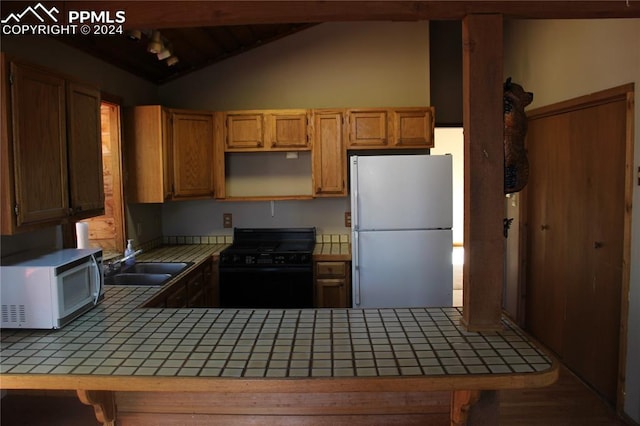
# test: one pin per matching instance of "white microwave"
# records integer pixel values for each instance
(48, 289)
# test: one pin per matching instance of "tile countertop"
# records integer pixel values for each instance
(323, 251)
(332, 252)
(119, 346)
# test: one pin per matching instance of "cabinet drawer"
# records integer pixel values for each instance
(331, 269)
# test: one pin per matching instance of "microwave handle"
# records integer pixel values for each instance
(97, 280)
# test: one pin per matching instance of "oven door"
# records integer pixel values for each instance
(266, 287)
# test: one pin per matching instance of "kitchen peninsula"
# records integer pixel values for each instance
(201, 365)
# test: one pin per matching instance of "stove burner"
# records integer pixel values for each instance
(270, 246)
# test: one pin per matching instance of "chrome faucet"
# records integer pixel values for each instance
(114, 265)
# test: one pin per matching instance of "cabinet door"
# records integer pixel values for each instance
(331, 293)
(368, 128)
(329, 156)
(413, 127)
(147, 133)
(332, 285)
(287, 130)
(211, 285)
(39, 145)
(178, 298)
(244, 131)
(192, 139)
(196, 289)
(85, 151)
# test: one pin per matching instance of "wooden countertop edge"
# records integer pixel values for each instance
(268, 385)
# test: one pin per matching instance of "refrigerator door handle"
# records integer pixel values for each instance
(356, 271)
(354, 193)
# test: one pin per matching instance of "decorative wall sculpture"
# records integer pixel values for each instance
(516, 165)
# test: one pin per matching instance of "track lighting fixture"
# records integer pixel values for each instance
(171, 61)
(155, 45)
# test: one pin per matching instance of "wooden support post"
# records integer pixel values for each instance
(483, 171)
(103, 402)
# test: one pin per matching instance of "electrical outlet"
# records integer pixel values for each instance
(227, 220)
(347, 219)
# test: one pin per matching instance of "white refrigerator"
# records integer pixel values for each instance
(402, 243)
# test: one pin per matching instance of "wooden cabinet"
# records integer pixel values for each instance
(177, 298)
(287, 129)
(332, 286)
(381, 128)
(274, 130)
(51, 149)
(211, 275)
(192, 140)
(368, 128)
(147, 138)
(329, 155)
(170, 154)
(195, 285)
(85, 151)
(244, 131)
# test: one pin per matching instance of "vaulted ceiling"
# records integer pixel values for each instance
(201, 33)
(194, 48)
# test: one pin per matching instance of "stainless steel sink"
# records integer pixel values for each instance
(172, 268)
(137, 279)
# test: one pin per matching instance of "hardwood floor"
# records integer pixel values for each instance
(566, 402)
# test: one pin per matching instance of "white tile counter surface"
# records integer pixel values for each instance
(118, 338)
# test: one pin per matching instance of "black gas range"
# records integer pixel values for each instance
(268, 268)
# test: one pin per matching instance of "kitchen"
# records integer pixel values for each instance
(260, 90)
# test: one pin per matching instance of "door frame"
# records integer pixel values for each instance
(623, 92)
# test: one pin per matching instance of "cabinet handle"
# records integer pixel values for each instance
(544, 227)
(597, 244)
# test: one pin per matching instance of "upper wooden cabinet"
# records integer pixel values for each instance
(380, 128)
(368, 128)
(259, 130)
(51, 149)
(169, 154)
(329, 154)
(287, 129)
(244, 131)
(83, 126)
(147, 139)
(192, 139)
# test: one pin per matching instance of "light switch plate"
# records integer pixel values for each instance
(227, 220)
(347, 219)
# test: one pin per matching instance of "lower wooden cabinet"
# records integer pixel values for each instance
(199, 289)
(332, 284)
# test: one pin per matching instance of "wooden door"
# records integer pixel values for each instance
(39, 145)
(593, 306)
(192, 140)
(546, 228)
(85, 151)
(576, 219)
(329, 158)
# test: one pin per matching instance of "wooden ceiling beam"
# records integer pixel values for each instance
(178, 14)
